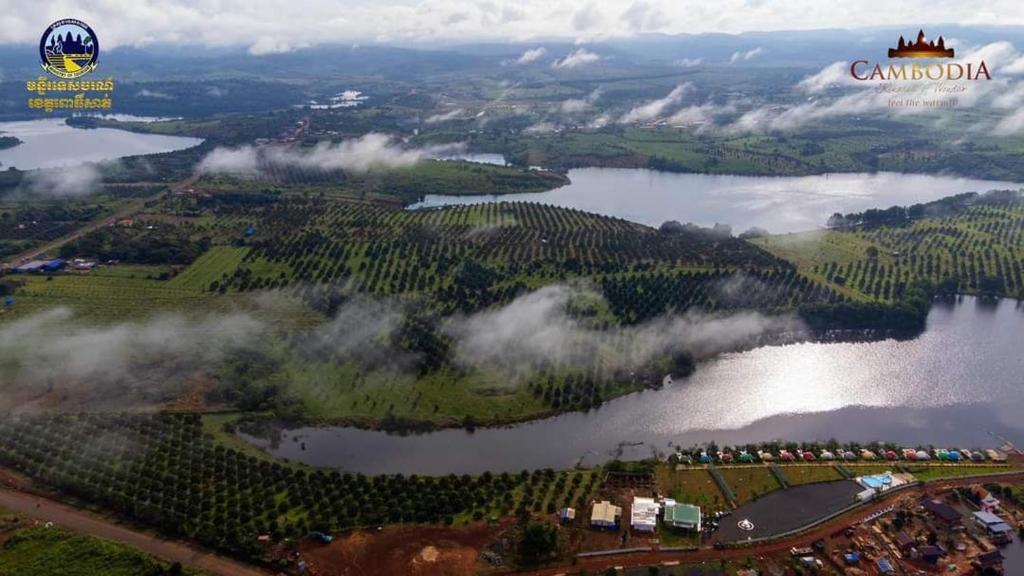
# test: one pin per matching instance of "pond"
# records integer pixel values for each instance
(957, 384)
(51, 143)
(777, 204)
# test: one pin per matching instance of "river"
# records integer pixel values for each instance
(51, 143)
(777, 204)
(953, 385)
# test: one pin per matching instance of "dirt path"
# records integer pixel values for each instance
(129, 209)
(84, 523)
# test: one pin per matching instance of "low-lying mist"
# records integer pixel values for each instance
(53, 360)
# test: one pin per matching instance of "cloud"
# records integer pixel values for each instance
(1011, 124)
(155, 94)
(537, 330)
(444, 117)
(241, 161)
(835, 74)
(689, 62)
(286, 24)
(78, 180)
(118, 364)
(361, 329)
(578, 57)
(574, 105)
(368, 152)
(741, 56)
(699, 114)
(577, 105)
(271, 45)
(1003, 94)
(541, 128)
(642, 16)
(653, 109)
(531, 55)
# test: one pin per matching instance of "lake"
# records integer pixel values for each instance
(777, 204)
(953, 385)
(51, 143)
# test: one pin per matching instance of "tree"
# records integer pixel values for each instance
(539, 542)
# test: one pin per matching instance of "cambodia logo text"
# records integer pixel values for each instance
(934, 69)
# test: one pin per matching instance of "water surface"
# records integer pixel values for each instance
(51, 143)
(955, 385)
(777, 204)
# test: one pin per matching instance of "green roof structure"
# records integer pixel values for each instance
(683, 516)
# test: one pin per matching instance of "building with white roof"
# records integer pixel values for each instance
(644, 514)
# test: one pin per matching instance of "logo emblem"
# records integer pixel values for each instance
(69, 48)
(921, 48)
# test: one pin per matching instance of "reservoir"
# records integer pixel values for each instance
(51, 143)
(777, 204)
(954, 386)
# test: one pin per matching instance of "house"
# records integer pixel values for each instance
(53, 265)
(942, 512)
(931, 554)
(605, 515)
(991, 559)
(984, 498)
(644, 514)
(28, 267)
(567, 515)
(994, 525)
(905, 542)
(683, 516)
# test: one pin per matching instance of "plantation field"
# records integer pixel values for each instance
(105, 296)
(973, 245)
(166, 471)
(43, 551)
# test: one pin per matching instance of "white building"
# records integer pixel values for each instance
(644, 514)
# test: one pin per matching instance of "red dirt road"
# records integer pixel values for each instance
(84, 523)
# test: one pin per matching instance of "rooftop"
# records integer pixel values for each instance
(605, 513)
(644, 512)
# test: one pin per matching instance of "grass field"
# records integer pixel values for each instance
(929, 472)
(54, 552)
(798, 474)
(691, 486)
(749, 482)
(210, 266)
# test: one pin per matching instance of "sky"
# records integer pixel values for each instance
(269, 26)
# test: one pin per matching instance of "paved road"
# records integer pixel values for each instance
(84, 523)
